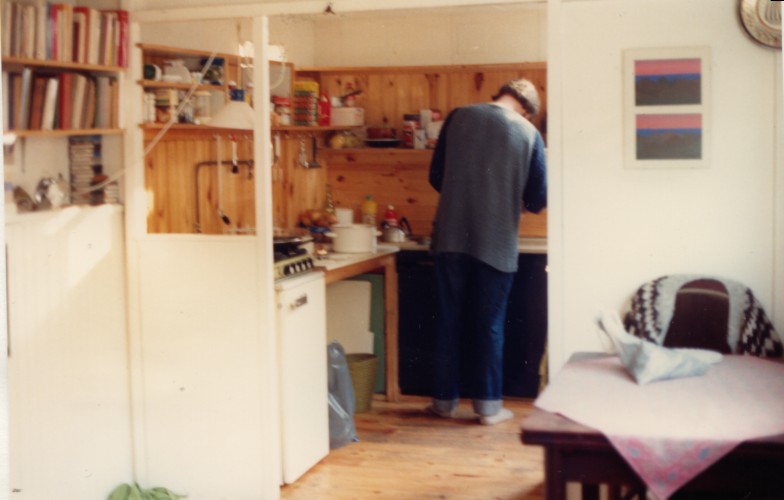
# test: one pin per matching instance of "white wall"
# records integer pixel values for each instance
(621, 227)
(475, 35)
(69, 411)
(200, 420)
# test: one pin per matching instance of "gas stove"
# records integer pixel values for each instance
(291, 256)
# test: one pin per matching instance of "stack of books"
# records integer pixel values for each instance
(85, 158)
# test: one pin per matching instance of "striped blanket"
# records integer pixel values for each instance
(749, 331)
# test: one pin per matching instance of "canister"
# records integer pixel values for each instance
(410, 125)
(201, 106)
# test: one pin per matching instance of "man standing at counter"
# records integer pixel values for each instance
(488, 164)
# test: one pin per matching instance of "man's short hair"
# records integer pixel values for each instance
(525, 93)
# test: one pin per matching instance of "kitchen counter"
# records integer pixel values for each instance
(335, 264)
(526, 244)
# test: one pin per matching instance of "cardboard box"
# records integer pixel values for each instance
(347, 117)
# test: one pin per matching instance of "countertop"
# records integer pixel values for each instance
(334, 261)
(524, 245)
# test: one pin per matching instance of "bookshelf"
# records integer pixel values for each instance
(62, 69)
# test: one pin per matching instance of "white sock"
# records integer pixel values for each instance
(503, 415)
(443, 414)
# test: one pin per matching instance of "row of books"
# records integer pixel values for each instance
(59, 101)
(62, 32)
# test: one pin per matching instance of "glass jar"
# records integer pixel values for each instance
(201, 106)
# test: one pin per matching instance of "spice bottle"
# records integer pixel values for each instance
(369, 208)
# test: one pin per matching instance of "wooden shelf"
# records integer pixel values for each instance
(65, 133)
(157, 84)
(300, 128)
(14, 62)
(376, 151)
(308, 70)
(190, 127)
(167, 50)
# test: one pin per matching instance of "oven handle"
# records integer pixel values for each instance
(301, 301)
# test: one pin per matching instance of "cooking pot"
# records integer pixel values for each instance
(396, 234)
(353, 238)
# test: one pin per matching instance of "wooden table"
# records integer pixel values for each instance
(384, 261)
(577, 453)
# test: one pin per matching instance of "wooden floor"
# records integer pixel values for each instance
(405, 453)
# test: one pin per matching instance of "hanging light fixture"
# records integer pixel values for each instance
(236, 113)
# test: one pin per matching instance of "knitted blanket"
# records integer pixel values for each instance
(749, 331)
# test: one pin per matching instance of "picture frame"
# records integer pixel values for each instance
(667, 122)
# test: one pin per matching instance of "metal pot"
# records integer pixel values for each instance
(396, 234)
(353, 238)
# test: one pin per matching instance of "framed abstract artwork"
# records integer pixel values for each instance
(667, 108)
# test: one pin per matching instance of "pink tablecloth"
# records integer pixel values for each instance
(670, 431)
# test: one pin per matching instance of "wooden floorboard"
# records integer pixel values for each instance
(405, 453)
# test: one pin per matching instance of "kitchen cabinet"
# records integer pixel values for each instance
(68, 403)
(526, 324)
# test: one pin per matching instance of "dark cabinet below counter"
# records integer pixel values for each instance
(526, 324)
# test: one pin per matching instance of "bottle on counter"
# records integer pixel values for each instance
(369, 209)
(390, 217)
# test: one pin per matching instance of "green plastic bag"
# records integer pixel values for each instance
(135, 492)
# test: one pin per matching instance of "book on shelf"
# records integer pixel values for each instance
(78, 96)
(26, 85)
(64, 100)
(50, 104)
(79, 36)
(27, 34)
(88, 22)
(6, 113)
(88, 113)
(37, 102)
(106, 102)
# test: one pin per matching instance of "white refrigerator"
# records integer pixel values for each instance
(302, 358)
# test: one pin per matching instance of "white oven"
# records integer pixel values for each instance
(302, 372)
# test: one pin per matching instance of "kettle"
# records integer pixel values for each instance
(396, 234)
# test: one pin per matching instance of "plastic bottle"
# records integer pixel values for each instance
(369, 209)
(390, 217)
(324, 110)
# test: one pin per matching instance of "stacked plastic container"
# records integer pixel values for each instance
(306, 103)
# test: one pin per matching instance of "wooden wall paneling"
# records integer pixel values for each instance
(279, 179)
(399, 177)
(396, 179)
(377, 105)
(303, 188)
(170, 180)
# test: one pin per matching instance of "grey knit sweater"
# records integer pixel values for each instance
(489, 162)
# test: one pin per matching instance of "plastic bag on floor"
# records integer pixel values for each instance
(341, 398)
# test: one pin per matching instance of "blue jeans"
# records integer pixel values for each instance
(472, 298)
